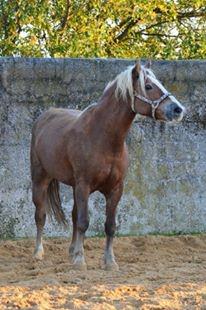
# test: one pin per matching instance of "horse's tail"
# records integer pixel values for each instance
(54, 207)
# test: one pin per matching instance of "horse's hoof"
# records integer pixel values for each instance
(38, 255)
(111, 267)
(80, 267)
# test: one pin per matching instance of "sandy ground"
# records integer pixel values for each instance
(155, 273)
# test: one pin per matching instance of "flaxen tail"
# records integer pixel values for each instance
(54, 208)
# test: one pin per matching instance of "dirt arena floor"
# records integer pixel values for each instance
(156, 272)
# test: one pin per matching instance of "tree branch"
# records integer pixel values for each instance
(161, 35)
(66, 15)
(4, 18)
(124, 33)
(132, 23)
(192, 14)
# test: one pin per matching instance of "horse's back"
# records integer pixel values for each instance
(56, 117)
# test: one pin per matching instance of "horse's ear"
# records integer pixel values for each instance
(136, 69)
(148, 64)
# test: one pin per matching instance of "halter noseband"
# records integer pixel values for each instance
(154, 103)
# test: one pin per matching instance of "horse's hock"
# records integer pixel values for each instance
(165, 186)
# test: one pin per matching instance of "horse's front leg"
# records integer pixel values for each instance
(81, 194)
(112, 200)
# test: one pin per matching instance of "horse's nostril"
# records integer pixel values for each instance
(178, 110)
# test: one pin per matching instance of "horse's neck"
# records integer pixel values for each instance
(115, 118)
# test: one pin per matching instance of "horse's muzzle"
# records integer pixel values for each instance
(174, 112)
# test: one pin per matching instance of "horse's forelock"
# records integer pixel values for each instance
(142, 78)
(124, 83)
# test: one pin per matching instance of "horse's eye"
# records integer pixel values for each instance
(148, 86)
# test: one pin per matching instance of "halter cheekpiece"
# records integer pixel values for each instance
(154, 103)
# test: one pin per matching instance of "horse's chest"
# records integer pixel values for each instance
(108, 174)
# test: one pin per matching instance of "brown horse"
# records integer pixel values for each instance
(86, 150)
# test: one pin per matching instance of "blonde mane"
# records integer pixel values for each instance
(124, 83)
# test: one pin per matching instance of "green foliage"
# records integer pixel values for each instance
(167, 29)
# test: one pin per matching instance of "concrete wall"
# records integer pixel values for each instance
(165, 190)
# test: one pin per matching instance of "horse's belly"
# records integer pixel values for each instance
(59, 170)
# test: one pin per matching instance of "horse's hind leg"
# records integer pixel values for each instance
(40, 184)
(112, 200)
(40, 199)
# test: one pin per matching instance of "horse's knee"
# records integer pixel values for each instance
(40, 213)
(83, 225)
(74, 214)
(37, 199)
(110, 229)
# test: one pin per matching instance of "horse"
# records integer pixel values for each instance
(86, 150)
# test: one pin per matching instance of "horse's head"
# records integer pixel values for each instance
(151, 98)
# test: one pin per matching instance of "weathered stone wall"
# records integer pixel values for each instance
(165, 190)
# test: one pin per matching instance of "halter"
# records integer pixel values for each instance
(154, 103)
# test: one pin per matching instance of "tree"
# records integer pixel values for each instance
(168, 29)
